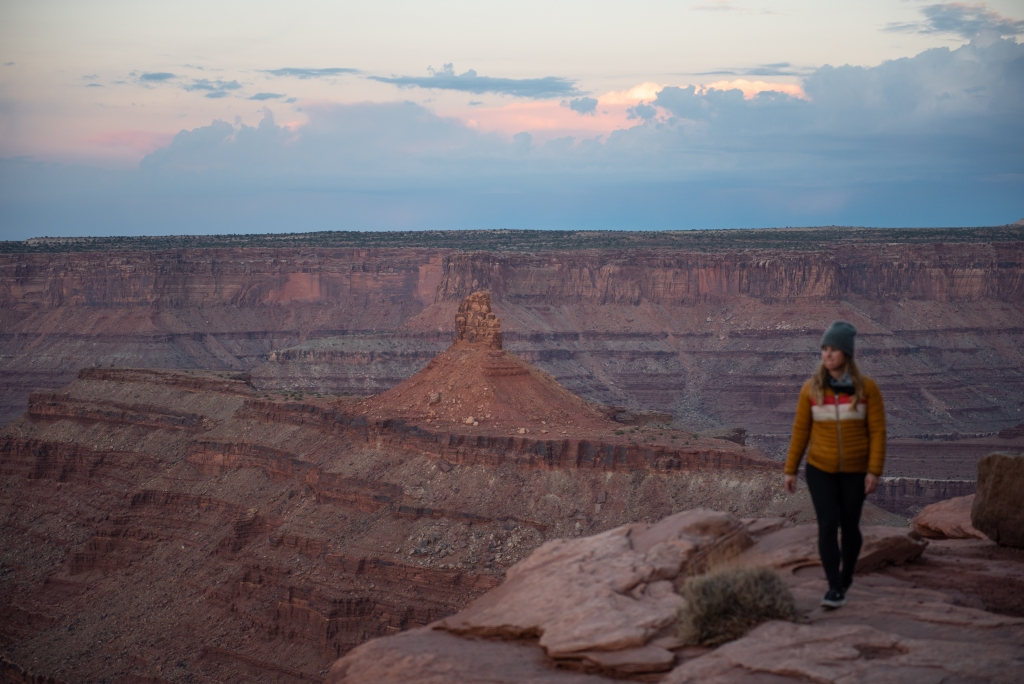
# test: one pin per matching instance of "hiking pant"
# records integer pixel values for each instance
(838, 499)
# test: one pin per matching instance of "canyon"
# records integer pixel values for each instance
(242, 461)
(181, 525)
(716, 328)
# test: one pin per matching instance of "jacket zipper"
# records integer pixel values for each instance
(839, 432)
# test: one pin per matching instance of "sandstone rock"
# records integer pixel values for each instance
(607, 592)
(782, 651)
(476, 323)
(649, 658)
(758, 527)
(998, 508)
(949, 519)
(428, 656)
(891, 630)
(796, 547)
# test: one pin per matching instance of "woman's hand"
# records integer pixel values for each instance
(791, 484)
(870, 483)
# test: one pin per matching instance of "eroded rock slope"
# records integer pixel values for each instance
(165, 525)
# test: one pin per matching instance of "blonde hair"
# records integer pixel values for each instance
(819, 381)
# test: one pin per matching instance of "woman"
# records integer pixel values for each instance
(840, 413)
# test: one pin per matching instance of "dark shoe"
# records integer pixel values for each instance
(833, 599)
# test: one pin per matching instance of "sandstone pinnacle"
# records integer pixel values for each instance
(476, 323)
(505, 393)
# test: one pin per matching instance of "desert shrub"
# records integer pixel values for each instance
(724, 605)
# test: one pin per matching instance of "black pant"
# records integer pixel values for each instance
(838, 499)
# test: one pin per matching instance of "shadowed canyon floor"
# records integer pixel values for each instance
(185, 526)
(718, 328)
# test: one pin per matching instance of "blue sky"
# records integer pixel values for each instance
(156, 118)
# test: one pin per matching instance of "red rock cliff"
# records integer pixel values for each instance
(719, 338)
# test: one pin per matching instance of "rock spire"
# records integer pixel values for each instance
(476, 323)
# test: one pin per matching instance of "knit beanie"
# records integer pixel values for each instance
(840, 335)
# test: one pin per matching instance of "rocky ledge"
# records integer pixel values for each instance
(607, 607)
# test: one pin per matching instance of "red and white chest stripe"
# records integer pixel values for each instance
(847, 411)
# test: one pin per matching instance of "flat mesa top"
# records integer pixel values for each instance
(799, 239)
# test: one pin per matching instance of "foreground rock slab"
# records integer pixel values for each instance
(428, 656)
(796, 547)
(998, 508)
(608, 592)
(949, 519)
(607, 606)
(783, 651)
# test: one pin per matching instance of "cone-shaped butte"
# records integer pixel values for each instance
(480, 386)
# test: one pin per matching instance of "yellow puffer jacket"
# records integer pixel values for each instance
(843, 438)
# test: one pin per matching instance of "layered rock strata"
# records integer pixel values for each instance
(717, 336)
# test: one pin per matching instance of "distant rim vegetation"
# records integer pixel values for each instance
(807, 238)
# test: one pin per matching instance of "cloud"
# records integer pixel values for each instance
(962, 19)
(522, 141)
(935, 139)
(266, 96)
(215, 89)
(470, 82)
(777, 69)
(752, 88)
(207, 84)
(8, 63)
(642, 111)
(157, 76)
(645, 91)
(582, 105)
(93, 85)
(143, 141)
(295, 72)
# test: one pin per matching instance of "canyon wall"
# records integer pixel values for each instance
(720, 336)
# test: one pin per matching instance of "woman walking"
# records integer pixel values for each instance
(841, 415)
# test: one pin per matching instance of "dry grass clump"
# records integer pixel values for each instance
(724, 605)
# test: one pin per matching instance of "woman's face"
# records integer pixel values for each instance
(832, 358)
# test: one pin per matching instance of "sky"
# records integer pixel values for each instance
(134, 117)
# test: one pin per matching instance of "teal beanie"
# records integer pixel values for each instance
(840, 335)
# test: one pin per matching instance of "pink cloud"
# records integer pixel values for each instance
(752, 88)
(549, 120)
(139, 141)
